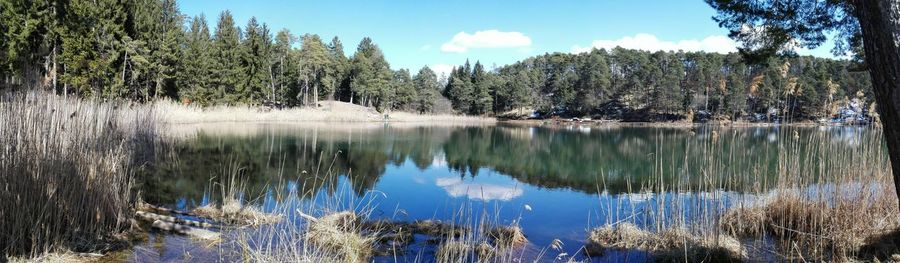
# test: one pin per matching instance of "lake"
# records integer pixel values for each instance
(556, 182)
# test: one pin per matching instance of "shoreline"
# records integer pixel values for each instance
(172, 113)
(335, 112)
(672, 124)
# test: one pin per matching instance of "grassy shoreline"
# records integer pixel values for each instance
(328, 111)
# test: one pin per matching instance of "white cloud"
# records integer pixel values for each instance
(425, 48)
(648, 42)
(442, 70)
(463, 41)
(456, 187)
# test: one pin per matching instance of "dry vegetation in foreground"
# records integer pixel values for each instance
(328, 111)
(339, 228)
(674, 244)
(66, 170)
(828, 202)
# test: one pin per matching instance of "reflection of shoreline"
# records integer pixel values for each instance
(620, 160)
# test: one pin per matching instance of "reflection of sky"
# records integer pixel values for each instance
(439, 161)
(456, 187)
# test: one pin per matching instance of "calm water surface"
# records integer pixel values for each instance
(556, 183)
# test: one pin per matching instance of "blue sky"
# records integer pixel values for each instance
(413, 34)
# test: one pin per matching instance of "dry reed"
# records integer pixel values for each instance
(831, 198)
(66, 169)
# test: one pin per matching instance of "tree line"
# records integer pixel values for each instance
(642, 85)
(146, 49)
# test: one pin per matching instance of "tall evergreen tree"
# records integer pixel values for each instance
(255, 64)
(340, 85)
(92, 43)
(226, 52)
(370, 75)
(593, 85)
(405, 94)
(283, 67)
(195, 74)
(427, 88)
(482, 101)
(316, 68)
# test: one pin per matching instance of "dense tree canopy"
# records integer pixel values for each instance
(641, 85)
(147, 49)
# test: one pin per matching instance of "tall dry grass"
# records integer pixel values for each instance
(830, 197)
(66, 169)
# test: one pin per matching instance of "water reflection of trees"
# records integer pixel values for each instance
(613, 160)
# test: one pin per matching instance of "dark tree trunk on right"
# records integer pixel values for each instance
(880, 24)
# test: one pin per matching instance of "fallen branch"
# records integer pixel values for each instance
(186, 230)
(150, 217)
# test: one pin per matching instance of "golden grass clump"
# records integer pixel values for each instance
(338, 234)
(66, 171)
(674, 244)
(508, 236)
(624, 235)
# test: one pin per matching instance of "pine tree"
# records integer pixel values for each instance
(194, 75)
(340, 85)
(370, 75)
(427, 86)
(30, 38)
(255, 57)
(93, 49)
(459, 89)
(482, 101)
(315, 65)
(736, 73)
(404, 91)
(593, 85)
(227, 60)
(283, 67)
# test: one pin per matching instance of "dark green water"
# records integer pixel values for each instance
(556, 182)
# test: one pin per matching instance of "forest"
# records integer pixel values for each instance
(146, 50)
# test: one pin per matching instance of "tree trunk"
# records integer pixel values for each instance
(65, 85)
(880, 24)
(53, 70)
(305, 92)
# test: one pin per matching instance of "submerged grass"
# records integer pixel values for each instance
(66, 169)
